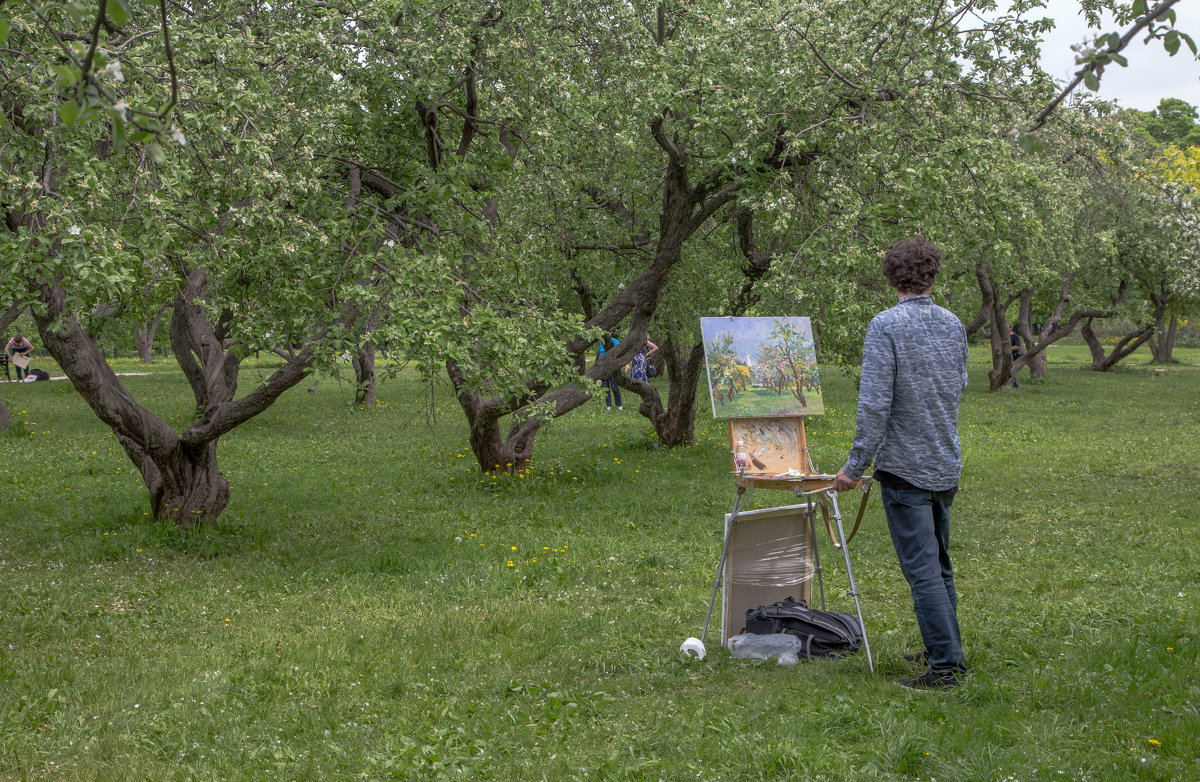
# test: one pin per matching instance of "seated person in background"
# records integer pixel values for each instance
(18, 346)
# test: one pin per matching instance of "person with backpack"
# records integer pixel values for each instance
(914, 372)
(640, 366)
(611, 388)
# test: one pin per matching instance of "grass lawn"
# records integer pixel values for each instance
(371, 607)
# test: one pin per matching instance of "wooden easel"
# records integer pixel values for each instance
(772, 453)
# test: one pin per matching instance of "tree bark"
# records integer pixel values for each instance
(364, 374)
(3, 418)
(183, 480)
(364, 366)
(1162, 341)
(143, 336)
(9, 315)
(493, 451)
(1002, 364)
(181, 473)
(674, 423)
(1055, 328)
(1102, 362)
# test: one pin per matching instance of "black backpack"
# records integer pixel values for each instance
(825, 633)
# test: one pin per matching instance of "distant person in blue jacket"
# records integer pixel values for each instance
(914, 371)
(611, 388)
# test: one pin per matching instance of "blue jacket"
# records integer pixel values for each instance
(914, 371)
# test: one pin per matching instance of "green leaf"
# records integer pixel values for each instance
(118, 11)
(1168, 14)
(1188, 40)
(1171, 42)
(155, 152)
(1114, 40)
(119, 140)
(3, 30)
(67, 75)
(1139, 7)
(1120, 60)
(1030, 143)
(1091, 80)
(70, 112)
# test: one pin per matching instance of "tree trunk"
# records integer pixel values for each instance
(9, 315)
(1001, 372)
(1162, 342)
(143, 337)
(364, 365)
(493, 451)
(180, 471)
(675, 423)
(3, 418)
(364, 375)
(1054, 329)
(185, 484)
(1102, 362)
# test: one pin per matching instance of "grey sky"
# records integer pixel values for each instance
(1152, 74)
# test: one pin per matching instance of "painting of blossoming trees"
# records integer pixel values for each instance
(761, 367)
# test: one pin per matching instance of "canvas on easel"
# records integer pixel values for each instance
(761, 367)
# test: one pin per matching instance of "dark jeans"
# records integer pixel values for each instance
(611, 389)
(21, 371)
(919, 522)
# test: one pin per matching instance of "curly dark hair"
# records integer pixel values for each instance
(911, 265)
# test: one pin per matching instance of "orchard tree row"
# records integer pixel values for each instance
(488, 190)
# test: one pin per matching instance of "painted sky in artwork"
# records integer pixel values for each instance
(748, 332)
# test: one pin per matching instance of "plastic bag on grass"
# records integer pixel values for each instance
(753, 646)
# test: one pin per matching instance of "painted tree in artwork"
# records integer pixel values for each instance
(794, 355)
(723, 369)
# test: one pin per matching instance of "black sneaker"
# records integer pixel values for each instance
(931, 680)
(917, 657)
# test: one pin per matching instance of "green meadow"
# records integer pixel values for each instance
(371, 607)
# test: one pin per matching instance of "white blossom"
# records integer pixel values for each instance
(113, 69)
(121, 107)
(74, 230)
(177, 134)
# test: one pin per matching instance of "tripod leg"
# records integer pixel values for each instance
(837, 515)
(812, 525)
(737, 504)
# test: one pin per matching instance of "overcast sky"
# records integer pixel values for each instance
(1152, 74)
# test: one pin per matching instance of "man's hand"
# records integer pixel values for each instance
(843, 483)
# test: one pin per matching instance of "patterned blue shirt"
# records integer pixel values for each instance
(914, 371)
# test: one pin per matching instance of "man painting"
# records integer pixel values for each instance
(914, 371)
